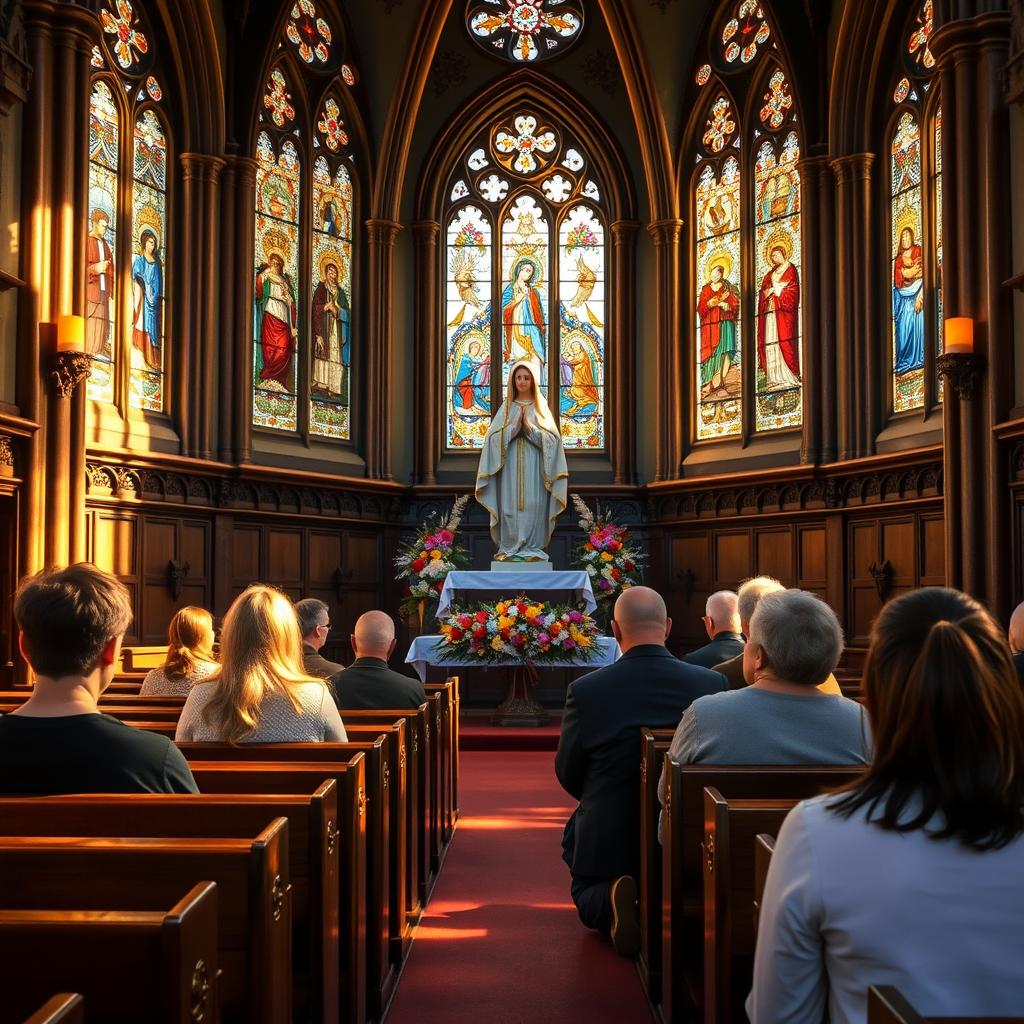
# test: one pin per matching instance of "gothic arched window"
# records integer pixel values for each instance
(525, 255)
(746, 235)
(305, 210)
(915, 208)
(126, 249)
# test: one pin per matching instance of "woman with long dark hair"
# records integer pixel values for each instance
(913, 875)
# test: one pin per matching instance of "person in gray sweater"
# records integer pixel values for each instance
(781, 717)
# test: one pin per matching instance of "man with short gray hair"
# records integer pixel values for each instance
(314, 624)
(780, 717)
(750, 593)
(722, 622)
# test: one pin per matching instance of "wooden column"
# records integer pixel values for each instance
(229, 362)
(380, 254)
(244, 254)
(669, 451)
(55, 130)
(621, 346)
(855, 343)
(196, 390)
(429, 410)
(817, 270)
(970, 56)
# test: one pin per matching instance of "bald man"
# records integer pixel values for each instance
(1017, 640)
(368, 684)
(722, 622)
(598, 760)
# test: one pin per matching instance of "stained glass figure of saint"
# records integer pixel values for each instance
(522, 314)
(147, 294)
(778, 318)
(276, 320)
(908, 303)
(718, 307)
(332, 332)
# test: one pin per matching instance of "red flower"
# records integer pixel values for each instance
(455, 635)
(439, 586)
(465, 621)
(418, 565)
(505, 633)
(629, 566)
(522, 606)
(616, 574)
(616, 545)
(481, 616)
(479, 629)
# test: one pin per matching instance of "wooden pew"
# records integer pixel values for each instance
(66, 1008)
(449, 730)
(298, 777)
(654, 744)
(129, 713)
(313, 857)
(764, 847)
(682, 926)
(886, 1005)
(128, 965)
(139, 660)
(402, 913)
(381, 973)
(418, 746)
(728, 854)
(253, 899)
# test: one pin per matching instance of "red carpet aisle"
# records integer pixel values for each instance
(500, 942)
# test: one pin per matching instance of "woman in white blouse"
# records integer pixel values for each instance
(189, 655)
(912, 876)
(262, 694)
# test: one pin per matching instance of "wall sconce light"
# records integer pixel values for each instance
(959, 365)
(70, 364)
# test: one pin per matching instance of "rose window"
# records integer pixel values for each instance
(524, 31)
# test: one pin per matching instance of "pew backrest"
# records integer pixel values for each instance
(887, 1005)
(65, 1008)
(764, 847)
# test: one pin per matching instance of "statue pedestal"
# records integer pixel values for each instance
(521, 567)
(519, 708)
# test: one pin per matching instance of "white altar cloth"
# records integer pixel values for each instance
(423, 651)
(512, 584)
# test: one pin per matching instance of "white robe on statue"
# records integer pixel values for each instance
(522, 481)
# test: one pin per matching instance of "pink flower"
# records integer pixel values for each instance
(446, 536)
(605, 585)
(568, 643)
(543, 638)
(575, 617)
(518, 640)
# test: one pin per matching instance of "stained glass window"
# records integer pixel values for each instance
(127, 217)
(149, 223)
(276, 311)
(525, 252)
(747, 313)
(915, 227)
(303, 309)
(524, 31)
(101, 245)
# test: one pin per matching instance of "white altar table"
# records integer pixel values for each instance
(512, 584)
(422, 653)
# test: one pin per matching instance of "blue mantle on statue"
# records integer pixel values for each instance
(511, 584)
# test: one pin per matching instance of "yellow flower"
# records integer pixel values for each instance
(605, 557)
(480, 653)
(626, 586)
(504, 622)
(496, 644)
(501, 607)
(584, 641)
(435, 554)
(423, 554)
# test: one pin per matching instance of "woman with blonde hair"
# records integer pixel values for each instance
(189, 655)
(263, 694)
(911, 875)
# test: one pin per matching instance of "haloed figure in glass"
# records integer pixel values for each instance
(99, 259)
(276, 321)
(473, 381)
(332, 335)
(778, 321)
(908, 303)
(522, 314)
(718, 307)
(147, 294)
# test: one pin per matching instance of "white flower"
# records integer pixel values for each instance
(492, 626)
(591, 571)
(513, 612)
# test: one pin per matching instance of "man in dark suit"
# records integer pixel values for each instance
(368, 683)
(722, 622)
(314, 624)
(598, 760)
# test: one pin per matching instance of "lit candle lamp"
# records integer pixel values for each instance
(959, 336)
(71, 334)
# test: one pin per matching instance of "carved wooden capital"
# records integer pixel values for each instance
(624, 232)
(665, 232)
(382, 232)
(426, 232)
(201, 166)
(68, 370)
(962, 372)
(6, 456)
(855, 167)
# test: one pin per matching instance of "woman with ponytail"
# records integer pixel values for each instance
(913, 875)
(262, 694)
(189, 655)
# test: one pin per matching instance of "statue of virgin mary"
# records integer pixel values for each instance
(523, 477)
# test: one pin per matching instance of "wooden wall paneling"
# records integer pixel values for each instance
(246, 558)
(733, 558)
(775, 554)
(899, 549)
(811, 546)
(170, 543)
(686, 584)
(8, 583)
(114, 548)
(932, 546)
(324, 577)
(864, 601)
(283, 561)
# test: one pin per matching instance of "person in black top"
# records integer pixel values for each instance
(598, 760)
(368, 684)
(722, 622)
(71, 623)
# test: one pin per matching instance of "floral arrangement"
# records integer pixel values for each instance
(424, 562)
(523, 630)
(607, 555)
